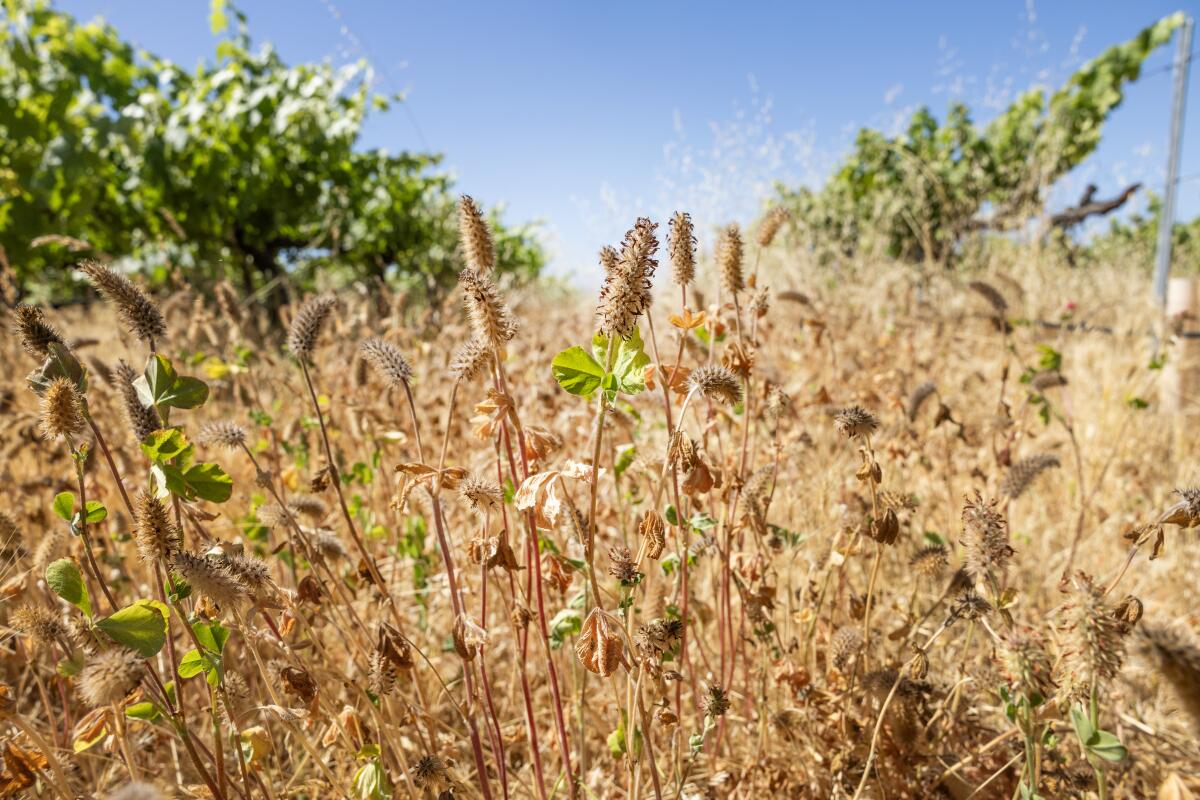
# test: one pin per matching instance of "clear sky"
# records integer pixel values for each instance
(584, 115)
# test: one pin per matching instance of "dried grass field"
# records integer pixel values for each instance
(743, 527)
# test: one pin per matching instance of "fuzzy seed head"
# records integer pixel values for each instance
(984, 538)
(430, 772)
(608, 259)
(39, 623)
(108, 676)
(61, 410)
(681, 244)
(155, 534)
(845, 645)
(388, 361)
(1091, 639)
(142, 420)
(930, 562)
(1023, 473)
(470, 359)
(211, 577)
(855, 422)
(729, 256)
(137, 312)
(716, 701)
(476, 237)
(716, 383)
(992, 295)
(306, 326)
(35, 334)
(491, 320)
(625, 295)
(916, 400)
(222, 433)
(771, 224)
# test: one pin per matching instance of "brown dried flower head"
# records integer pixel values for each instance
(61, 410)
(491, 320)
(930, 562)
(652, 529)
(716, 383)
(625, 294)
(35, 334)
(771, 224)
(136, 311)
(855, 422)
(39, 623)
(154, 532)
(476, 236)
(222, 433)
(471, 358)
(209, 576)
(1023, 473)
(143, 420)
(108, 676)
(1091, 639)
(729, 257)
(306, 326)
(681, 244)
(388, 361)
(984, 538)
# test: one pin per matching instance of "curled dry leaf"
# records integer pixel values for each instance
(599, 646)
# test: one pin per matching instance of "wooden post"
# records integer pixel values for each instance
(1180, 388)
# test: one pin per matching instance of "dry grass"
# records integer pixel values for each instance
(399, 629)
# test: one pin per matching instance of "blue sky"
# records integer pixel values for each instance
(585, 115)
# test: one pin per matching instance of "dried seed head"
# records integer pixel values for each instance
(136, 311)
(39, 623)
(388, 362)
(35, 334)
(491, 321)
(222, 433)
(729, 255)
(431, 773)
(625, 294)
(1049, 379)
(471, 358)
(307, 324)
(108, 676)
(143, 420)
(476, 237)
(984, 538)
(716, 383)
(930, 562)
(1091, 639)
(658, 636)
(480, 494)
(254, 575)
(681, 240)
(155, 534)
(1186, 512)
(209, 576)
(136, 790)
(969, 606)
(608, 259)
(845, 645)
(1025, 472)
(381, 673)
(1024, 660)
(855, 422)
(716, 701)
(917, 399)
(622, 566)
(771, 224)
(992, 295)
(309, 506)
(61, 410)
(327, 545)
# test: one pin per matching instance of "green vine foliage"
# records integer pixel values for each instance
(917, 195)
(245, 168)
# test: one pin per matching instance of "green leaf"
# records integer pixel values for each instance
(64, 505)
(209, 482)
(577, 372)
(193, 663)
(61, 363)
(69, 667)
(628, 368)
(147, 711)
(187, 392)
(165, 444)
(64, 578)
(1049, 359)
(1104, 745)
(1082, 723)
(212, 635)
(96, 512)
(142, 627)
(624, 459)
(157, 381)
